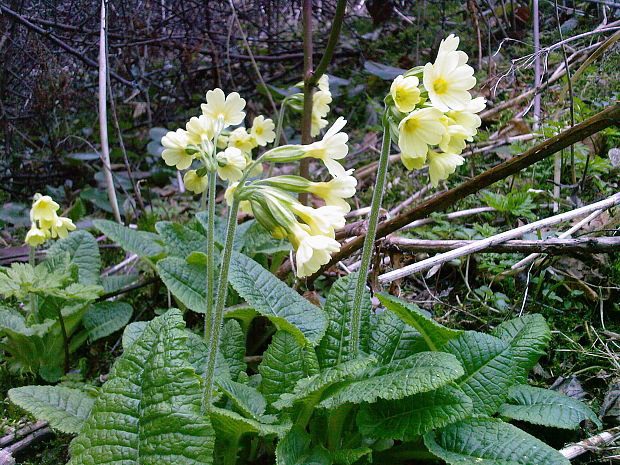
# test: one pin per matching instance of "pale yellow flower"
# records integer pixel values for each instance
(263, 130)
(43, 208)
(193, 182)
(199, 129)
(35, 236)
(320, 108)
(241, 140)
(335, 191)
(227, 109)
(449, 44)
(258, 168)
(312, 251)
(417, 131)
(323, 220)
(467, 118)
(323, 83)
(332, 147)
(62, 227)
(231, 163)
(244, 205)
(442, 165)
(449, 80)
(175, 154)
(405, 93)
(453, 140)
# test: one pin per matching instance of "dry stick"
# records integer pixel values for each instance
(409, 201)
(6, 455)
(306, 119)
(550, 246)
(530, 258)
(450, 216)
(494, 240)
(602, 120)
(584, 446)
(60, 43)
(103, 119)
(9, 438)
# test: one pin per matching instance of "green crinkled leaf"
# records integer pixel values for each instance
(412, 416)
(393, 339)
(282, 366)
(63, 408)
(434, 334)
(489, 369)
(181, 240)
(350, 456)
(272, 298)
(129, 239)
(528, 337)
(490, 441)
(104, 318)
(230, 424)
(232, 346)
(37, 348)
(77, 291)
(246, 398)
(545, 407)
(20, 279)
(132, 332)
(335, 345)
(242, 314)
(311, 390)
(148, 412)
(294, 449)
(198, 351)
(186, 281)
(116, 282)
(420, 372)
(83, 251)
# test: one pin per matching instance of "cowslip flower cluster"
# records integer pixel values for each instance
(320, 104)
(433, 119)
(207, 139)
(210, 139)
(45, 222)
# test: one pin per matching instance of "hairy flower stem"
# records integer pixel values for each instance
(218, 317)
(33, 298)
(210, 256)
(375, 206)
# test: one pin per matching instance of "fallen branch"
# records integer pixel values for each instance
(15, 435)
(602, 120)
(6, 454)
(495, 240)
(549, 246)
(584, 446)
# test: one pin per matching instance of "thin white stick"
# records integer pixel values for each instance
(584, 446)
(536, 26)
(450, 216)
(103, 117)
(530, 258)
(497, 239)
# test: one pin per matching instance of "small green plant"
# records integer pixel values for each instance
(49, 308)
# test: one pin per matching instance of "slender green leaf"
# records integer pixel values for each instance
(180, 240)
(528, 337)
(489, 369)
(104, 318)
(129, 239)
(186, 281)
(230, 424)
(247, 399)
(545, 407)
(232, 346)
(272, 298)
(490, 441)
(434, 334)
(282, 366)
(335, 345)
(148, 411)
(83, 251)
(412, 416)
(63, 408)
(393, 339)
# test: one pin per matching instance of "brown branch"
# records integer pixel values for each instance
(602, 120)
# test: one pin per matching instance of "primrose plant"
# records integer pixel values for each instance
(337, 384)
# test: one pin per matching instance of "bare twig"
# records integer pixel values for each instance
(495, 240)
(584, 446)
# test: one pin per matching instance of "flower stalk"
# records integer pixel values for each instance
(375, 206)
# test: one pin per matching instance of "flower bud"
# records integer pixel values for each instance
(283, 154)
(288, 183)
